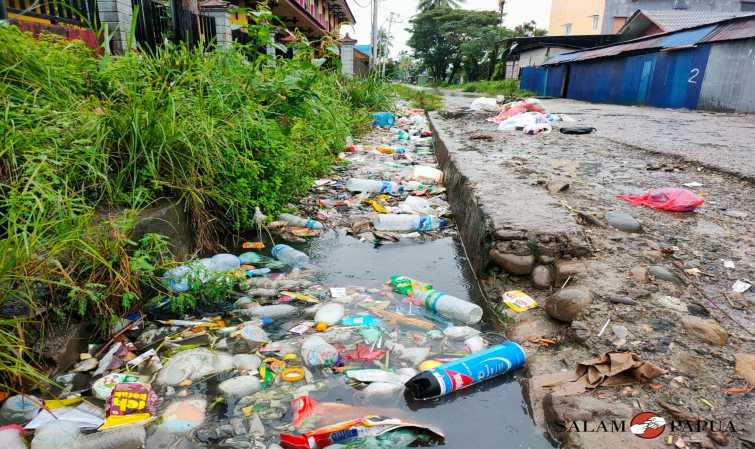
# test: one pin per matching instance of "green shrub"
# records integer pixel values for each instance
(507, 88)
(419, 98)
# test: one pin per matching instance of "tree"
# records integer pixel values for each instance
(529, 29)
(426, 5)
(444, 38)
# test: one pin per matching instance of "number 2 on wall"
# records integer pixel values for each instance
(693, 73)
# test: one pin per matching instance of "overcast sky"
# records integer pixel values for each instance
(517, 11)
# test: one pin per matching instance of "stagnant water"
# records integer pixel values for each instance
(490, 415)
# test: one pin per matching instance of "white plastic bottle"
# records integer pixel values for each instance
(374, 186)
(290, 256)
(407, 222)
(224, 262)
(317, 352)
(448, 306)
(299, 221)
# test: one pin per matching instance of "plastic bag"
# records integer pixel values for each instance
(522, 121)
(577, 129)
(516, 108)
(672, 199)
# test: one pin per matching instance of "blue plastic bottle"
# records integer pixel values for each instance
(466, 371)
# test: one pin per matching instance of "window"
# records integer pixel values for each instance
(567, 29)
(618, 22)
(595, 22)
(747, 6)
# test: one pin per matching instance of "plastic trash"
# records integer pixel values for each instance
(183, 416)
(474, 344)
(466, 371)
(407, 222)
(299, 221)
(374, 186)
(484, 104)
(375, 375)
(125, 437)
(670, 199)
(275, 311)
(416, 205)
(406, 285)
(254, 334)
(317, 352)
(224, 262)
(19, 409)
(460, 332)
(177, 279)
(246, 362)
(290, 256)
(240, 386)
(523, 120)
(448, 306)
(576, 129)
(537, 128)
(430, 175)
(383, 119)
(11, 437)
(366, 320)
(194, 364)
(330, 313)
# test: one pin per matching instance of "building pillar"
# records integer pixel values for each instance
(117, 15)
(347, 56)
(218, 10)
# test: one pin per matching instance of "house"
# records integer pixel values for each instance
(708, 66)
(533, 51)
(646, 23)
(355, 58)
(574, 17)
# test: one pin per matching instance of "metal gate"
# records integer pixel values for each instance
(157, 22)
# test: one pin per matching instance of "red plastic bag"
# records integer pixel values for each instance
(671, 199)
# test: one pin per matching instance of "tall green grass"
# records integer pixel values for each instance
(419, 98)
(507, 88)
(86, 141)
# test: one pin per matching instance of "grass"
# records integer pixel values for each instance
(417, 98)
(507, 88)
(88, 141)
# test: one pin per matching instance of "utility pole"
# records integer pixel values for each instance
(374, 40)
(393, 18)
(3, 11)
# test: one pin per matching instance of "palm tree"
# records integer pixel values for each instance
(426, 5)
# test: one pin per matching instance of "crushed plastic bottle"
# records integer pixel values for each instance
(299, 221)
(55, 435)
(19, 409)
(374, 186)
(290, 256)
(427, 174)
(330, 313)
(407, 222)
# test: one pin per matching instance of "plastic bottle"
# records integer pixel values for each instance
(407, 222)
(415, 185)
(424, 173)
(317, 352)
(299, 221)
(124, 437)
(467, 371)
(290, 256)
(55, 435)
(19, 409)
(274, 311)
(257, 272)
(374, 186)
(11, 437)
(330, 313)
(448, 306)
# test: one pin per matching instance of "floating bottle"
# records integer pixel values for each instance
(290, 256)
(302, 222)
(448, 306)
(407, 222)
(374, 186)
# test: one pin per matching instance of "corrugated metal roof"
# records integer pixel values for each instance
(740, 29)
(675, 20)
(688, 37)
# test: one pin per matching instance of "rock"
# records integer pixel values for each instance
(542, 277)
(531, 325)
(698, 310)
(671, 303)
(512, 263)
(639, 274)
(579, 331)
(621, 300)
(720, 438)
(664, 273)
(194, 364)
(557, 187)
(621, 334)
(623, 221)
(567, 268)
(705, 330)
(568, 304)
(745, 366)
(240, 386)
(171, 219)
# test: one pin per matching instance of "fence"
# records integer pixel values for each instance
(157, 22)
(74, 12)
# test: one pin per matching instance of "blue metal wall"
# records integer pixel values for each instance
(546, 81)
(668, 79)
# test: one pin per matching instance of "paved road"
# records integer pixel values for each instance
(722, 141)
